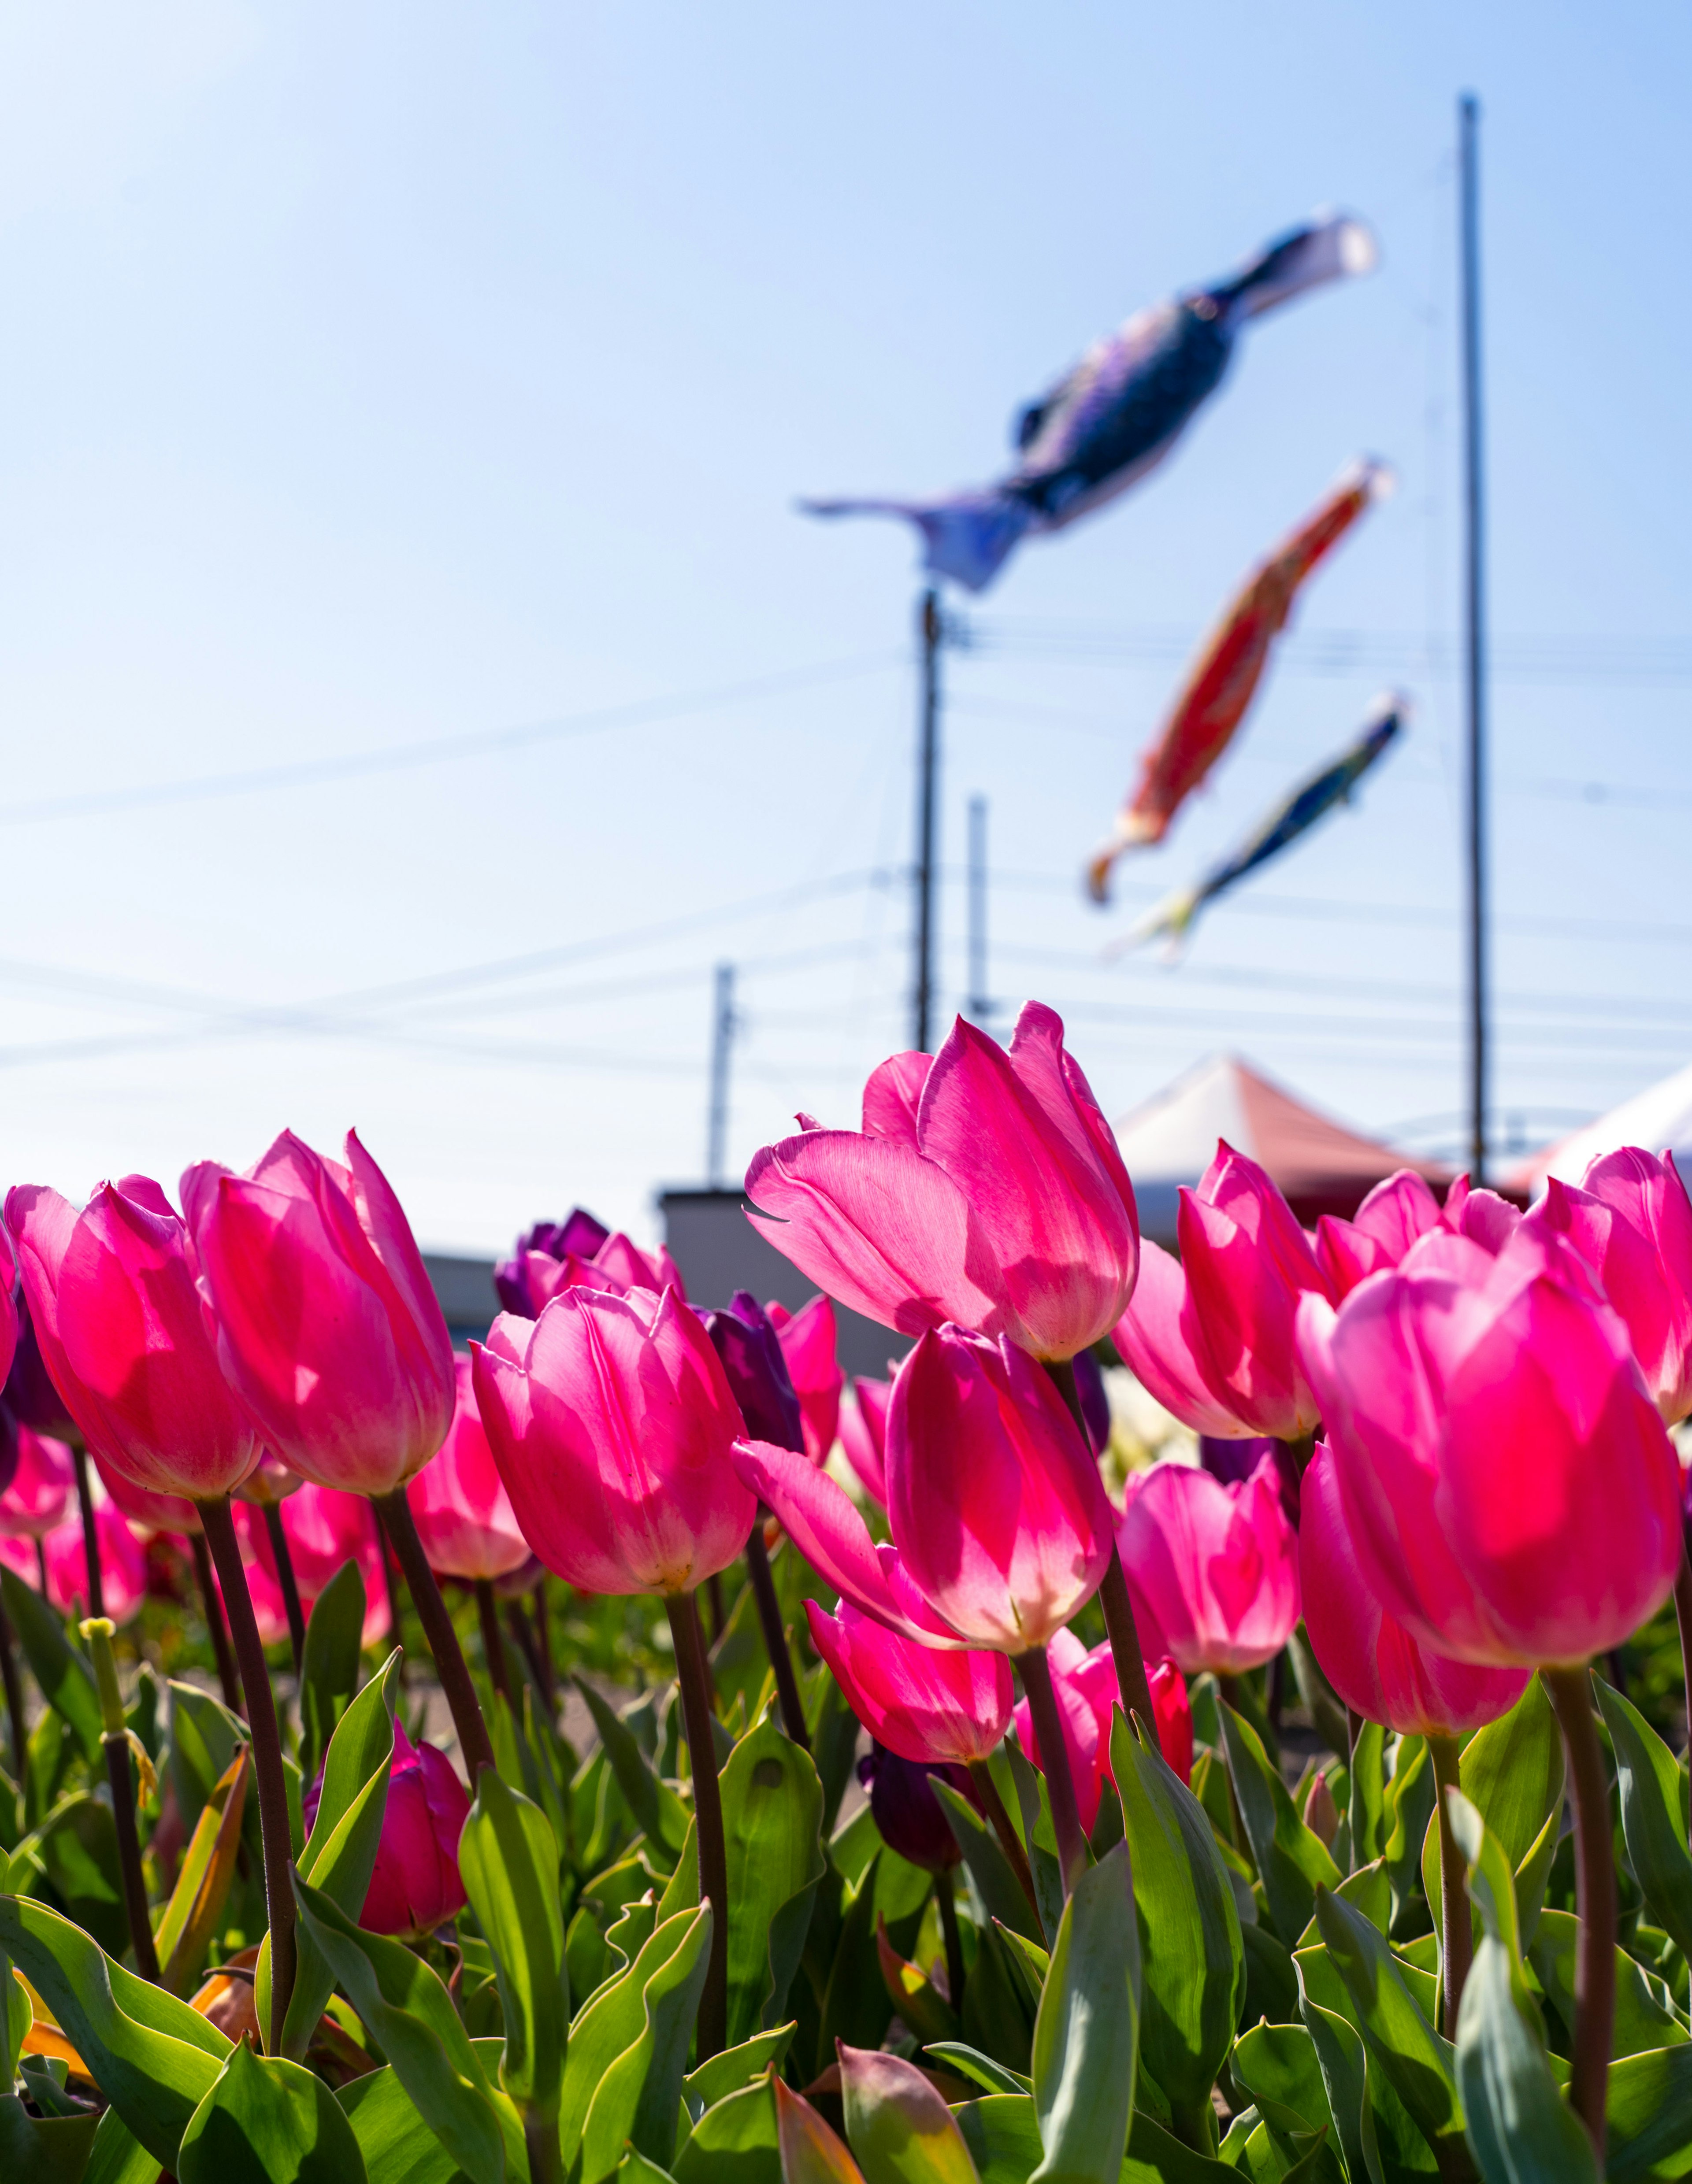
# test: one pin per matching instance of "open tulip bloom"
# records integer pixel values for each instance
(1213, 1567)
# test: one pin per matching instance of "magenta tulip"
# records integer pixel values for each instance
(463, 1513)
(611, 1421)
(927, 1705)
(1364, 1650)
(808, 1343)
(1213, 1567)
(414, 1886)
(1630, 1220)
(1000, 1527)
(148, 1510)
(1395, 1216)
(41, 1486)
(8, 1308)
(324, 1530)
(1509, 1490)
(124, 1337)
(1086, 1684)
(864, 1435)
(123, 1563)
(1212, 1336)
(985, 1188)
(528, 1283)
(327, 1326)
(579, 1232)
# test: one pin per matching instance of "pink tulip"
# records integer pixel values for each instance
(1630, 1220)
(864, 1435)
(124, 1335)
(1395, 1216)
(1000, 1528)
(1087, 1699)
(8, 1309)
(414, 1886)
(148, 1510)
(269, 1483)
(1212, 1337)
(927, 1705)
(463, 1513)
(327, 1325)
(1365, 1651)
(123, 1564)
(1214, 1567)
(611, 1421)
(808, 1343)
(985, 1188)
(1511, 1491)
(40, 1489)
(324, 1529)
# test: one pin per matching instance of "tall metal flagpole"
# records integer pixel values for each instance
(1474, 606)
(979, 1007)
(928, 761)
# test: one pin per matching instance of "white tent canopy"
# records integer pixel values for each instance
(1659, 1118)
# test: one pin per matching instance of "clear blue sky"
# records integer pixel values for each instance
(384, 375)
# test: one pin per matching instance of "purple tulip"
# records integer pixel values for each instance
(745, 1337)
(579, 1235)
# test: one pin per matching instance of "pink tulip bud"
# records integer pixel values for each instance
(808, 1343)
(985, 1188)
(463, 1513)
(327, 1326)
(1214, 1567)
(1088, 1695)
(864, 1435)
(1631, 1222)
(611, 1423)
(994, 1501)
(1511, 1491)
(40, 1489)
(414, 1886)
(124, 1337)
(926, 1705)
(1364, 1650)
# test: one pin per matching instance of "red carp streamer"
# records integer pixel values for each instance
(1218, 693)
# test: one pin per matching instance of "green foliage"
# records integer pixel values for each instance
(267, 2121)
(658, 1810)
(772, 1827)
(508, 1860)
(1087, 2034)
(329, 1668)
(1654, 1814)
(1292, 1861)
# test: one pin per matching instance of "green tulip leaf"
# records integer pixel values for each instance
(970, 2062)
(1366, 1805)
(329, 1667)
(1276, 2065)
(635, 2169)
(508, 1858)
(45, 2149)
(191, 1918)
(1292, 1861)
(1085, 2035)
(1192, 1958)
(153, 2057)
(66, 1679)
(772, 1827)
(77, 1852)
(1654, 1812)
(340, 1855)
(733, 2141)
(411, 2019)
(1410, 1806)
(612, 2022)
(1511, 1771)
(725, 2073)
(1646, 2109)
(118, 2156)
(1641, 2022)
(267, 2121)
(658, 1810)
(1520, 2128)
(1000, 1891)
(1342, 2058)
(397, 2145)
(898, 2128)
(635, 2103)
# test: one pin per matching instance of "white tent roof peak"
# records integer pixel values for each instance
(1659, 1119)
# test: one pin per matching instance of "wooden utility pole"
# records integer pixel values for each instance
(1474, 617)
(928, 765)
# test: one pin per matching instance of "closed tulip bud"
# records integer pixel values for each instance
(414, 1886)
(807, 1339)
(1630, 1220)
(1367, 1655)
(864, 1435)
(1212, 1336)
(126, 1339)
(463, 1513)
(527, 1283)
(985, 1188)
(745, 1339)
(1213, 1568)
(929, 1706)
(327, 1326)
(578, 1235)
(611, 1423)
(1511, 1491)
(1321, 1814)
(42, 1483)
(906, 1813)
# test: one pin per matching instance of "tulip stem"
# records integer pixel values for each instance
(289, 1584)
(1457, 1919)
(946, 1897)
(219, 1527)
(1682, 1610)
(540, 2140)
(227, 1681)
(523, 1637)
(91, 1538)
(775, 1637)
(1010, 1843)
(46, 1588)
(396, 1603)
(1594, 1971)
(129, 1855)
(1054, 1761)
(474, 1745)
(493, 1650)
(712, 2030)
(1132, 1680)
(14, 1698)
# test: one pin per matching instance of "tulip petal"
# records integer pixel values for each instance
(1159, 1342)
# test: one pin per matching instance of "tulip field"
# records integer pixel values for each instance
(958, 1808)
